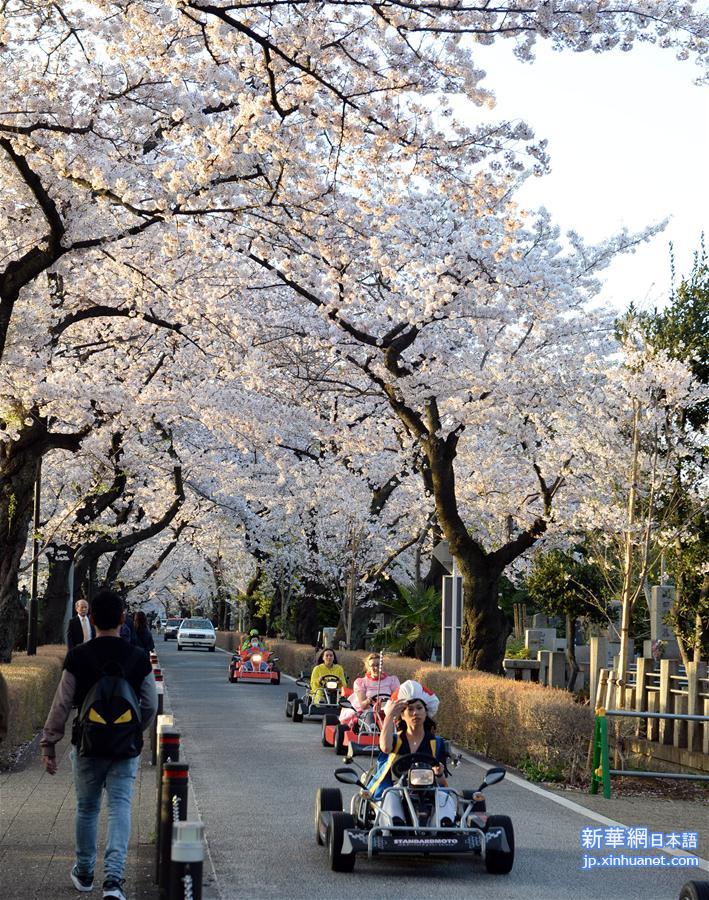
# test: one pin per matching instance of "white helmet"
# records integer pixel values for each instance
(413, 690)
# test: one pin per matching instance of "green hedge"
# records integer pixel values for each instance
(541, 730)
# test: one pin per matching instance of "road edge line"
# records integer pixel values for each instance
(572, 805)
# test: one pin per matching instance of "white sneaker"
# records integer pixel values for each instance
(113, 887)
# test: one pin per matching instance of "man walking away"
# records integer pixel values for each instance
(80, 628)
(111, 684)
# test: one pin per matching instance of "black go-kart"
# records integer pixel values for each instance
(367, 829)
(305, 707)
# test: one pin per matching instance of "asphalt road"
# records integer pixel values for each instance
(255, 774)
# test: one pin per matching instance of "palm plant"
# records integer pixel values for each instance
(415, 626)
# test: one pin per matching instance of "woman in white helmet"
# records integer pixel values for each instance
(409, 728)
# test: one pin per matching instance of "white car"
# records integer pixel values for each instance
(196, 633)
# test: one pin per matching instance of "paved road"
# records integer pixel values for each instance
(255, 774)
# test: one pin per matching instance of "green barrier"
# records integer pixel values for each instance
(600, 770)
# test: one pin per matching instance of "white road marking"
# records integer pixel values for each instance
(570, 805)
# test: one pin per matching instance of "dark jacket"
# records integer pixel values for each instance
(75, 633)
(144, 639)
(82, 668)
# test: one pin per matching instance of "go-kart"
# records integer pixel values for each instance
(254, 664)
(359, 734)
(306, 707)
(366, 829)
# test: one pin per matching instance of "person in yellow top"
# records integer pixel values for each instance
(326, 665)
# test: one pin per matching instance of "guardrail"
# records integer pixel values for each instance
(601, 771)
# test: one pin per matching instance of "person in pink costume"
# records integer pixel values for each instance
(367, 686)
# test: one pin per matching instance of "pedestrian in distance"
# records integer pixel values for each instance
(143, 637)
(128, 631)
(111, 684)
(80, 628)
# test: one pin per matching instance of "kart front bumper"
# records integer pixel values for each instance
(403, 839)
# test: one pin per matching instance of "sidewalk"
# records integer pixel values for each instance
(37, 832)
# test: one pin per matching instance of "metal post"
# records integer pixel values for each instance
(32, 617)
(187, 859)
(173, 808)
(451, 619)
(168, 751)
(154, 727)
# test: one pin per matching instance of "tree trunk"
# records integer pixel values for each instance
(17, 473)
(56, 594)
(571, 651)
(485, 626)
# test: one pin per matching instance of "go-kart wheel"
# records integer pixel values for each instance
(499, 862)
(179, 647)
(327, 720)
(340, 739)
(695, 890)
(290, 700)
(277, 679)
(339, 861)
(212, 649)
(326, 800)
(297, 711)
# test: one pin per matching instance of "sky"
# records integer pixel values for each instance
(628, 137)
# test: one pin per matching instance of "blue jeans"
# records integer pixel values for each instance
(91, 776)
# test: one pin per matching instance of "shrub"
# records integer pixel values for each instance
(31, 682)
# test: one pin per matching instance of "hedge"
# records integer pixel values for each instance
(31, 683)
(542, 730)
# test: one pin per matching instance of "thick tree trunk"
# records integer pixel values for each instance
(56, 595)
(17, 474)
(485, 626)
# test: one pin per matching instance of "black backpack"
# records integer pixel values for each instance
(109, 723)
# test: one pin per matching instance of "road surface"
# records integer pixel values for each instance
(255, 774)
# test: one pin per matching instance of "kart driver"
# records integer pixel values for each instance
(408, 727)
(326, 665)
(367, 686)
(253, 641)
(253, 644)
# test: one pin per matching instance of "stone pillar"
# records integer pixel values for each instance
(695, 671)
(668, 667)
(557, 669)
(598, 661)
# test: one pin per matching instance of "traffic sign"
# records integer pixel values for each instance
(443, 555)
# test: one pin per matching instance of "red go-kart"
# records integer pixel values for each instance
(254, 664)
(360, 733)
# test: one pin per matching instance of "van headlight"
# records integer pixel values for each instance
(421, 777)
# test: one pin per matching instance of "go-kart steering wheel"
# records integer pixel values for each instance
(327, 678)
(403, 763)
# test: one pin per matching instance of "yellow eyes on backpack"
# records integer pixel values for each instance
(121, 720)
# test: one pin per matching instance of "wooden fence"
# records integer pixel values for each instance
(667, 688)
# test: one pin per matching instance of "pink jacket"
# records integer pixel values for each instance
(371, 687)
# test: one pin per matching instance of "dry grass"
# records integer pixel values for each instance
(542, 730)
(31, 682)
